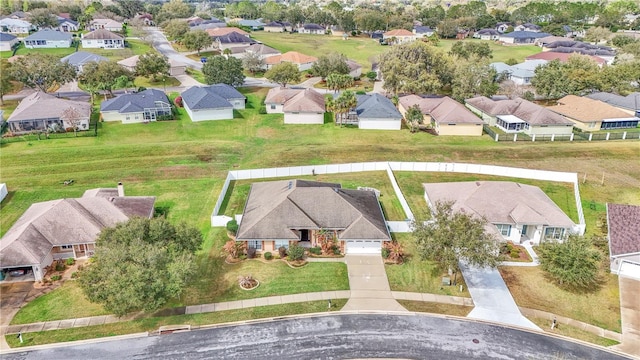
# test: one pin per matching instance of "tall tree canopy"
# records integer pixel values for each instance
(220, 69)
(152, 65)
(578, 76)
(283, 74)
(474, 77)
(574, 263)
(42, 71)
(43, 18)
(175, 29)
(196, 40)
(140, 264)
(332, 63)
(104, 75)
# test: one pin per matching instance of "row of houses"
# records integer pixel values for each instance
(48, 39)
(18, 23)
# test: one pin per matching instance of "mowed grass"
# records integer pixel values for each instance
(135, 47)
(153, 323)
(572, 332)
(239, 191)
(436, 308)
(66, 302)
(422, 276)
(531, 289)
(365, 50)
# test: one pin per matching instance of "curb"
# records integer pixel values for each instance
(72, 343)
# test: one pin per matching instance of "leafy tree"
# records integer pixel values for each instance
(152, 65)
(465, 50)
(176, 28)
(414, 117)
(6, 86)
(415, 68)
(370, 20)
(42, 71)
(219, 69)
(474, 77)
(197, 40)
(72, 116)
(174, 9)
(332, 63)
(43, 18)
(448, 28)
(283, 74)
(453, 237)
(342, 105)
(253, 62)
(372, 75)
(622, 41)
(431, 16)
(555, 29)
(140, 264)
(578, 76)
(486, 21)
(102, 75)
(597, 34)
(130, 8)
(273, 11)
(574, 263)
(337, 82)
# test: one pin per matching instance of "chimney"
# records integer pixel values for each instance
(120, 190)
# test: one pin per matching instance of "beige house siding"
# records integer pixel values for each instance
(128, 118)
(304, 118)
(547, 130)
(274, 108)
(459, 129)
(488, 119)
(273, 29)
(590, 126)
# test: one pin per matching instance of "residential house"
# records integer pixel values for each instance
(67, 25)
(299, 106)
(66, 228)
(21, 15)
(593, 115)
(514, 212)
(487, 34)
(445, 115)
(81, 58)
(208, 24)
(527, 27)
(48, 39)
(376, 112)
(277, 97)
(252, 24)
(377, 35)
(520, 74)
(175, 67)
(15, 26)
(502, 27)
(41, 112)
(337, 30)
(278, 26)
(543, 42)
(8, 41)
(629, 104)
(304, 62)
(583, 48)
(106, 24)
(563, 57)
(521, 37)
(102, 39)
(281, 213)
(221, 31)
(519, 115)
(312, 29)
(623, 224)
(232, 40)
(145, 18)
(398, 36)
(355, 69)
(141, 107)
(423, 31)
(213, 102)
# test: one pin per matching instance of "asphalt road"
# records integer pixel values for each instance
(346, 336)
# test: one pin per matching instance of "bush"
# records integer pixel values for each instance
(178, 101)
(251, 253)
(71, 261)
(262, 110)
(234, 249)
(385, 253)
(296, 252)
(56, 277)
(336, 251)
(232, 226)
(361, 92)
(515, 253)
(60, 266)
(282, 251)
(315, 250)
(268, 255)
(74, 274)
(574, 263)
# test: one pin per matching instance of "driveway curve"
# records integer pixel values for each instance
(346, 336)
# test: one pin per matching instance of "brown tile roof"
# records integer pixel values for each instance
(586, 110)
(102, 34)
(292, 57)
(398, 32)
(308, 100)
(623, 222)
(442, 110)
(533, 114)
(67, 222)
(281, 95)
(276, 210)
(563, 57)
(221, 31)
(40, 105)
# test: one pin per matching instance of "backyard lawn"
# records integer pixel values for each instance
(135, 47)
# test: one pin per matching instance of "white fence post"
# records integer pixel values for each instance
(590, 136)
(533, 138)
(624, 135)
(515, 137)
(497, 137)
(571, 137)
(553, 137)
(608, 135)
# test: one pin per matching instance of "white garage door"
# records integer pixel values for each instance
(363, 247)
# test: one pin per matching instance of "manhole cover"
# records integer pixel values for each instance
(476, 341)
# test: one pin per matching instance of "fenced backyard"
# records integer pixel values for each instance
(631, 134)
(43, 135)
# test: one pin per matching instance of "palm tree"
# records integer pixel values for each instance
(344, 103)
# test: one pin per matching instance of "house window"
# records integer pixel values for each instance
(255, 244)
(281, 243)
(504, 229)
(554, 233)
(66, 247)
(273, 107)
(592, 124)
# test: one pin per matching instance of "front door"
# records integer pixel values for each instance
(524, 230)
(304, 235)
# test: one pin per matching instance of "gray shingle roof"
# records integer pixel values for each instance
(312, 27)
(40, 105)
(51, 35)
(82, 57)
(7, 37)
(525, 35)
(376, 106)
(278, 209)
(215, 96)
(623, 222)
(102, 34)
(630, 102)
(136, 102)
(235, 38)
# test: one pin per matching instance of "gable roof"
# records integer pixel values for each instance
(280, 95)
(586, 110)
(82, 57)
(292, 57)
(210, 97)
(398, 32)
(135, 102)
(261, 49)
(9, 22)
(278, 24)
(307, 100)
(422, 29)
(311, 26)
(225, 31)
(376, 106)
(40, 105)
(525, 35)
(442, 110)
(630, 102)
(623, 222)
(102, 34)
(278, 209)
(353, 65)
(500, 202)
(562, 57)
(67, 221)
(7, 37)
(531, 113)
(488, 32)
(110, 23)
(235, 38)
(47, 34)
(521, 70)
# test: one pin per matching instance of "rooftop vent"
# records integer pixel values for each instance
(290, 184)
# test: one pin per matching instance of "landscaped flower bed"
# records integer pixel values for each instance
(512, 252)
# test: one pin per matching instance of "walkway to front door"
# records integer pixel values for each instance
(369, 285)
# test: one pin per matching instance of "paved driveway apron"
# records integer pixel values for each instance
(492, 299)
(630, 311)
(369, 285)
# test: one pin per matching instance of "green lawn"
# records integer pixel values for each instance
(153, 323)
(148, 83)
(417, 275)
(500, 52)
(573, 332)
(436, 308)
(135, 47)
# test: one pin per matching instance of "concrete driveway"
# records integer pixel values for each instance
(369, 285)
(630, 314)
(492, 299)
(13, 297)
